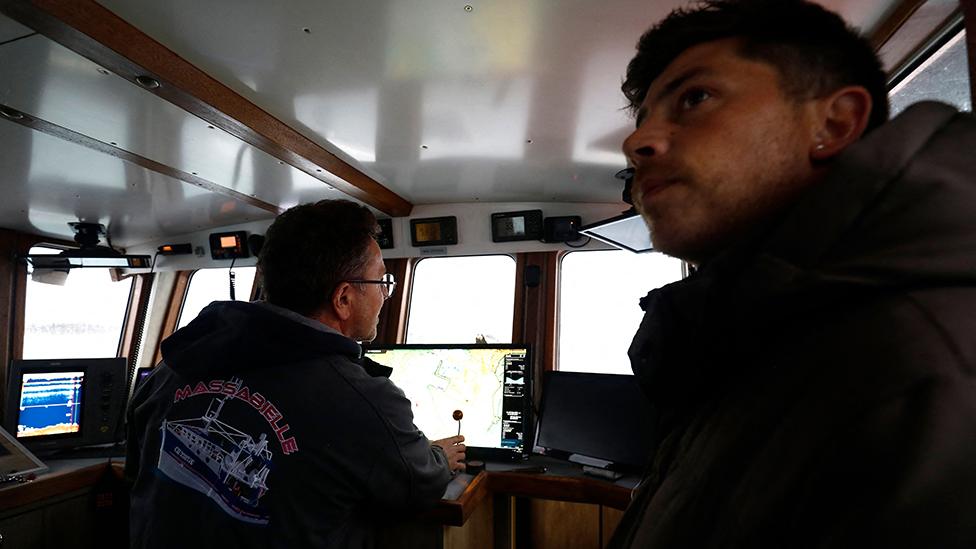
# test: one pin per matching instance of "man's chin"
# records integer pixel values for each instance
(675, 244)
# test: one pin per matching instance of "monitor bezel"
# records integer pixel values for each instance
(487, 453)
(565, 454)
(87, 435)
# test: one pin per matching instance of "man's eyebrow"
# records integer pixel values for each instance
(670, 88)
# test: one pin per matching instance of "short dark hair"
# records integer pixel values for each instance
(812, 49)
(310, 249)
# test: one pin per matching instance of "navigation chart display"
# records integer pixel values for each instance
(487, 384)
(50, 404)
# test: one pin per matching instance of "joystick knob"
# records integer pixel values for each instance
(458, 414)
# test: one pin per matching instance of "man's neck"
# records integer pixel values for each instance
(318, 321)
(330, 321)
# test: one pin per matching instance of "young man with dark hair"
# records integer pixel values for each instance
(814, 376)
(264, 426)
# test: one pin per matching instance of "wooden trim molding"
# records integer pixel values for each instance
(393, 316)
(13, 292)
(135, 319)
(535, 315)
(173, 310)
(518, 313)
(94, 32)
(894, 21)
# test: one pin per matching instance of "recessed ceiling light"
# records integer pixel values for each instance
(147, 82)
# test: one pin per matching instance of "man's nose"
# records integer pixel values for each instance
(649, 139)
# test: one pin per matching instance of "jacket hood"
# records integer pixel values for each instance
(234, 335)
(897, 210)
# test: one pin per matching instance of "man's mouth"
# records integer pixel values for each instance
(651, 186)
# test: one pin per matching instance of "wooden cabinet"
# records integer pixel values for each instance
(569, 525)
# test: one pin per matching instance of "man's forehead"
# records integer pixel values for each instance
(707, 56)
(376, 257)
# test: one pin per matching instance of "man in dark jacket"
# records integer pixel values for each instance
(814, 377)
(264, 426)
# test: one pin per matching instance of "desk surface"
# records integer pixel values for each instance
(63, 476)
(562, 481)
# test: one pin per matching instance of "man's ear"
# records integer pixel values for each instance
(844, 115)
(342, 301)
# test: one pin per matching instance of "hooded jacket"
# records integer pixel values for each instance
(260, 429)
(815, 385)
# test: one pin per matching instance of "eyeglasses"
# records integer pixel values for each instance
(389, 284)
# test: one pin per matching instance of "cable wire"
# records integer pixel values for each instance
(230, 272)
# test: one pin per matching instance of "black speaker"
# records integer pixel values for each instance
(561, 229)
(533, 276)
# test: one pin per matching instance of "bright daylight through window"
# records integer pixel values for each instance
(209, 285)
(81, 319)
(598, 310)
(462, 300)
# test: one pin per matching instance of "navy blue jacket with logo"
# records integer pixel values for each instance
(260, 430)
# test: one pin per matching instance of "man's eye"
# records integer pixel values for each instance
(692, 98)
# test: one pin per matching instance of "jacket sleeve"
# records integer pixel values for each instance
(412, 473)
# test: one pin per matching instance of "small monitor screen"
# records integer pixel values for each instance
(50, 403)
(600, 416)
(510, 226)
(428, 231)
(228, 242)
(488, 384)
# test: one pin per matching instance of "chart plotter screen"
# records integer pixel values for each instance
(50, 403)
(489, 384)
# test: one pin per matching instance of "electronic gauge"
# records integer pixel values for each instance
(433, 231)
(231, 245)
(516, 226)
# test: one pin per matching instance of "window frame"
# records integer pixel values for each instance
(19, 314)
(686, 271)
(405, 324)
(189, 280)
(939, 37)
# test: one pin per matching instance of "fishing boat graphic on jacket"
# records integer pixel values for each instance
(218, 460)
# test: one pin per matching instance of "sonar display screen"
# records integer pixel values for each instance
(486, 384)
(50, 404)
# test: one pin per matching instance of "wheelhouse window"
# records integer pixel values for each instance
(78, 316)
(462, 300)
(942, 76)
(209, 285)
(598, 306)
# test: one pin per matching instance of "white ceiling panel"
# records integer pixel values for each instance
(439, 101)
(49, 82)
(48, 182)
